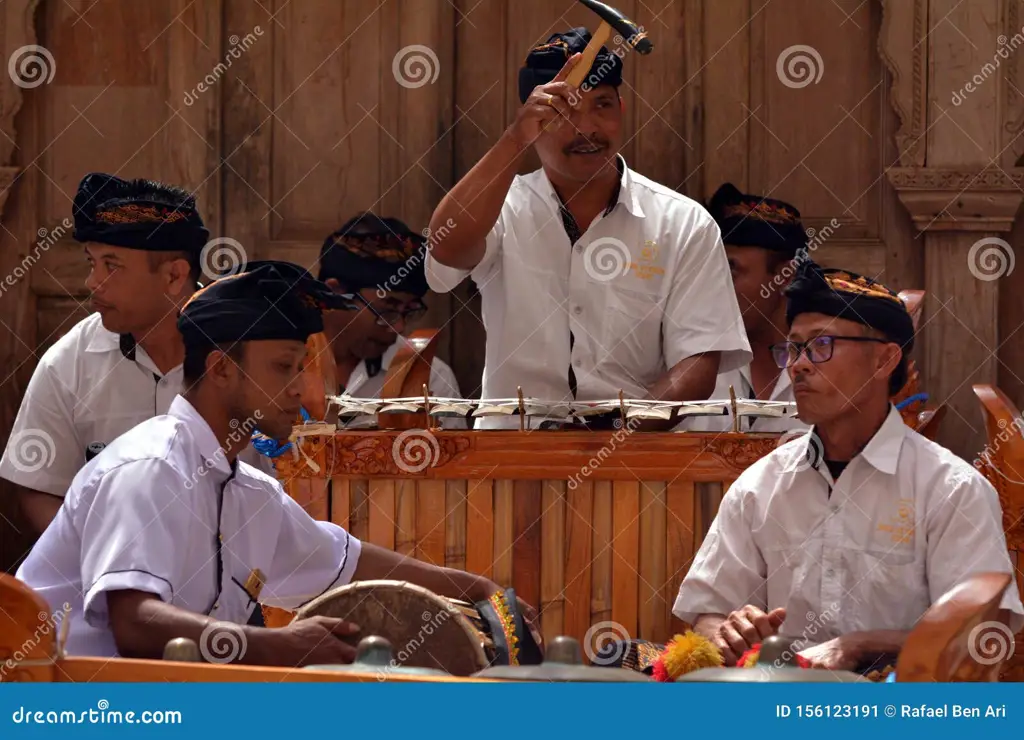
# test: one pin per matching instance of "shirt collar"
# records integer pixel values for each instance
(104, 340)
(882, 451)
(209, 447)
(627, 190)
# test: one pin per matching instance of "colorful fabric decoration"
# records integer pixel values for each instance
(750, 658)
(754, 221)
(373, 252)
(685, 654)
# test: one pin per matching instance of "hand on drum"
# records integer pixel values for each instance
(548, 105)
(745, 628)
(316, 641)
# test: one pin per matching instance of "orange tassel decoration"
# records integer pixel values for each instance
(685, 654)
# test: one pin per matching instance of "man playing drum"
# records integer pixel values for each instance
(166, 532)
(594, 279)
(843, 538)
(121, 365)
(762, 238)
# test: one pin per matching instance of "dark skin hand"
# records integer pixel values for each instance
(739, 631)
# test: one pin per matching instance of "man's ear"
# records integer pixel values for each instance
(220, 367)
(334, 285)
(889, 360)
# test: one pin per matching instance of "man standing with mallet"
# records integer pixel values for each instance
(594, 279)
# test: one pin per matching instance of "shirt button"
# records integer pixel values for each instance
(830, 572)
(577, 310)
(577, 363)
(579, 248)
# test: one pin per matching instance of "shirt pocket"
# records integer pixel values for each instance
(631, 339)
(888, 588)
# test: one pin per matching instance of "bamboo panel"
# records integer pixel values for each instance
(601, 569)
(503, 532)
(430, 528)
(579, 536)
(626, 554)
(341, 501)
(381, 509)
(552, 563)
(359, 518)
(405, 518)
(680, 501)
(654, 606)
(526, 543)
(480, 528)
(455, 524)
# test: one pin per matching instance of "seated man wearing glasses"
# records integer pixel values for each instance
(381, 261)
(841, 539)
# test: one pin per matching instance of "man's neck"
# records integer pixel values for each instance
(163, 344)
(844, 437)
(213, 412)
(345, 363)
(587, 200)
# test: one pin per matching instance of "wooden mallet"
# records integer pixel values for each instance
(611, 20)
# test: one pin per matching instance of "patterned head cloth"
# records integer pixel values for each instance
(373, 252)
(137, 214)
(847, 295)
(545, 61)
(270, 300)
(753, 221)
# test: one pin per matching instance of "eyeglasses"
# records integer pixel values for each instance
(390, 316)
(818, 350)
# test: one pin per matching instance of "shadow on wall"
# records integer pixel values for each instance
(15, 540)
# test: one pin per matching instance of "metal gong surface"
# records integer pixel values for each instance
(770, 674)
(563, 662)
(424, 630)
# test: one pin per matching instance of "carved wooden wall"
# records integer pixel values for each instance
(288, 117)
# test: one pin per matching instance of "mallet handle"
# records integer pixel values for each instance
(582, 68)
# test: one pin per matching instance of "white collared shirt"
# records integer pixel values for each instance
(83, 392)
(906, 521)
(362, 384)
(743, 386)
(144, 516)
(674, 300)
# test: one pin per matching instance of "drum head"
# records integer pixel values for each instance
(424, 629)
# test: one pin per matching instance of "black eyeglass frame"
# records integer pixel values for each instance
(802, 348)
(382, 319)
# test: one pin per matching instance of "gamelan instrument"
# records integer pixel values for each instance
(430, 631)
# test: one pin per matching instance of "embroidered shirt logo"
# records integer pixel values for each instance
(647, 267)
(900, 528)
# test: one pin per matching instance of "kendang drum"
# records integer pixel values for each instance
(430, 631)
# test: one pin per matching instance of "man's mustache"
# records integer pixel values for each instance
(584, 143)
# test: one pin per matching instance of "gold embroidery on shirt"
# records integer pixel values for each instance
(901, 526)
(647, 267)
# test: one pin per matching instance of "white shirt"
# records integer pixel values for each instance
(84, 391)
(741, 383)
(361, 384)
(906, 521)
(672, 297)
(143, 516)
